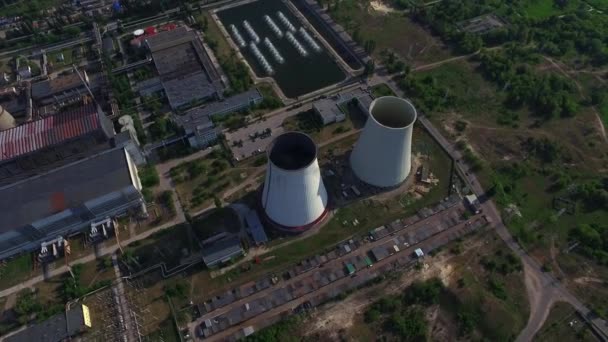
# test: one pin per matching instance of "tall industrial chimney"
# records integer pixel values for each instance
(294, 197)
(383, 154)
(6, 120)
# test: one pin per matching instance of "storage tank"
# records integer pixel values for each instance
(294, 197)
(6, 119)
(383, 154)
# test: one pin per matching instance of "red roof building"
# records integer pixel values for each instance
(150, 31)
(169, 27)
(49, 131)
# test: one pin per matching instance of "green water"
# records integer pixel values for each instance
(299, 75)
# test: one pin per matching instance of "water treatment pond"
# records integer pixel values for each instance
(299, 74)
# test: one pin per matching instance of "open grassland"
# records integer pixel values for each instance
(16, 270)
(537, 169)
(541, 9)
(214, 34)
(564, 324)
(483, 297)
(394, 31)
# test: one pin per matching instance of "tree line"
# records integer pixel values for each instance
(577, 31)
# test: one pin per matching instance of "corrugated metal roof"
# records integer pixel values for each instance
(48, 131)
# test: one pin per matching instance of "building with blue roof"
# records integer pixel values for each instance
(255, 228)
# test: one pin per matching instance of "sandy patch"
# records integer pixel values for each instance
(332, 318)
(381, 7)
(585, 280)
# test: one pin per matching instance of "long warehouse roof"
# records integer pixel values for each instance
(70, 186)
(48, 131)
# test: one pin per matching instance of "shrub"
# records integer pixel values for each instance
(424, 292)
(372, 315)
(497, 288)
(149, 176)
(148, 195)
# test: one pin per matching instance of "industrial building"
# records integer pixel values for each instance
(51, 94)
(61, 327)
(41, 145)
(17, 101)
(233, 103)
(382, 155)
(222, 251)
(328, 111)
(68, 200)
(197, 124)
(481, 25)
(294, 196)
(198, 128)
(185, 70)
(255, 228)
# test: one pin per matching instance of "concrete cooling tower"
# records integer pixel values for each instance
(294, 197)
(383, 153)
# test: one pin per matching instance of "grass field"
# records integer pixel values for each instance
(557, 327)
(541, 9)
(16, 270)
(472, 97)
(168, 246)
(603, 108)
(219, 220)
(310, 123)
(382, 90)
(213, 34)
(198, 182)
(389, 31)
(53, 58)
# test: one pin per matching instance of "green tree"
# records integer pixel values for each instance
(217, 201)
(370, 46)
(370, 67)
(410, 325)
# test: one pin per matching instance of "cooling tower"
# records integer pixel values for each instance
(382, 155)
(294, 197)
(6, 119)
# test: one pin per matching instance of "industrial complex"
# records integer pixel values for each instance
(199, 171)
(69, 200)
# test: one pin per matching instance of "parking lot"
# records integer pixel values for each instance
(251, 140)
(246, 146)
(324, 276)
